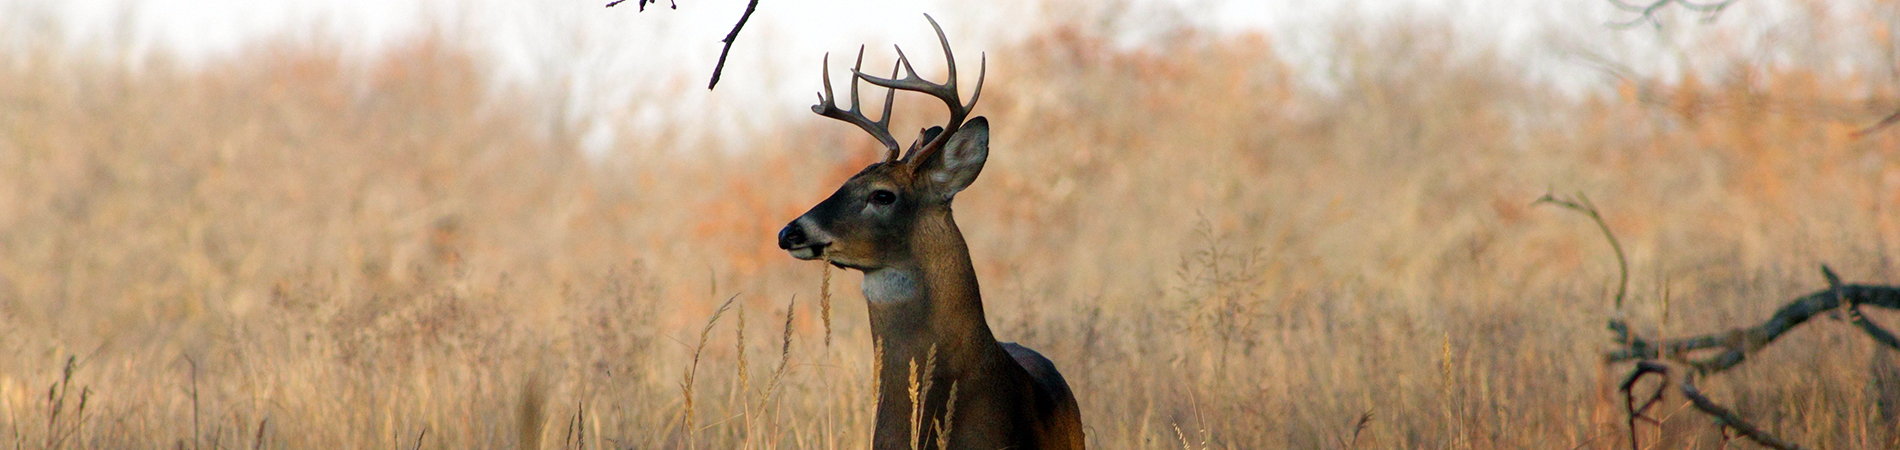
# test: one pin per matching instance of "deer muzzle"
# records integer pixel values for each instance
(801, 244)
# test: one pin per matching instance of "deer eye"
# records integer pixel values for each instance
(883, 197)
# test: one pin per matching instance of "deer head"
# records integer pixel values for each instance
(871, 222)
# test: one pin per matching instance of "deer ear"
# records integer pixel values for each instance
(955, 167)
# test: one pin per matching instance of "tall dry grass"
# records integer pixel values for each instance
(291, 248)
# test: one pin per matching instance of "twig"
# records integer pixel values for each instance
(1582, 204)
(1648, 11)
(1728, 419)
(730, 36)
(1631, 410)
(1724, 417)
(1877, 126)
(734, 35)
(643, 4)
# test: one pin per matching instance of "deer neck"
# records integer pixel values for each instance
(931, 300)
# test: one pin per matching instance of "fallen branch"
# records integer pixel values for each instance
(1724, 417)
(1737, 344)
(1873, 330)
(1631, 410)
(1728, 420)
(1732, 346)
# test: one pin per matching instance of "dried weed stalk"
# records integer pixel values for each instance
(1222, 291)
(824, 300)
(686, 381)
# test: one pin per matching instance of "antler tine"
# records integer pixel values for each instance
(982, 70)
(890, 98)
(828, 106)
(854, 80)
(949, 61)
(946, 91)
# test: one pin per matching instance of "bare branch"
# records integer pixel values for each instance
(734, 35)
(1882, 124)
(1647, 12)
(1630, 408)
(1582, 204)
(1728, 420)
(730, 36)
(643, 4)
(1724, 417)
(1873, 330)
(1737, 344)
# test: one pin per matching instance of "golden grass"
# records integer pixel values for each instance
(294, 249)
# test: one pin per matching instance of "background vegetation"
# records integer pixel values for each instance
(291, 248)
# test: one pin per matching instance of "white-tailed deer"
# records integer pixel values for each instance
(892, 222)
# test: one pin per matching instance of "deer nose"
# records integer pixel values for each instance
(791, 236)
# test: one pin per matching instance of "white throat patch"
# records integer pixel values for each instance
(888, 285)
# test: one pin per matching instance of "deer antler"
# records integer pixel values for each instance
(828, 106)
(946, 92)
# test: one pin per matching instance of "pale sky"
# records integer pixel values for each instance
(615, 56)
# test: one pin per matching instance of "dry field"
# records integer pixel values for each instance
(291, 248)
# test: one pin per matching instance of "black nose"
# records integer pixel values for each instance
(791, 236)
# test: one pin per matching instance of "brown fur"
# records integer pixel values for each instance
(1007, 396)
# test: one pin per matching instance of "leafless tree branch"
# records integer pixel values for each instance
(1724, 417)
(643, 4)
(1647, 11)
(1582, 204)
(730, 36)
(1646, 14)
(734, 35)
(1728, 419)
(1877, 126)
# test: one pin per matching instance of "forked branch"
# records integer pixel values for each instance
(1728, 419)
(1640, 413)
(1735, 345)
(1724, 417)
(1731, 347)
